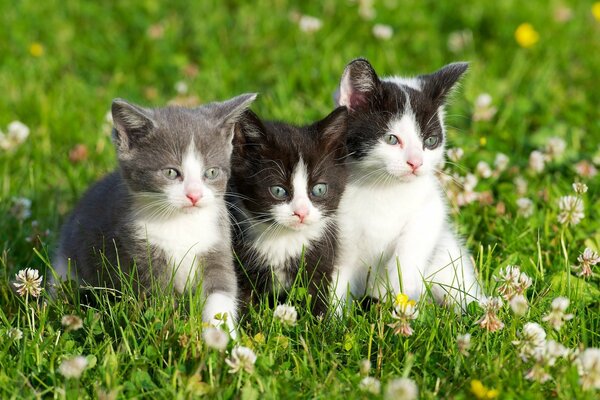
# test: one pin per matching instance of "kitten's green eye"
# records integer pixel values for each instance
(278, 192)
(319, 190)
(212, 173)
(391, 139)
(431, 142)
(171, 173)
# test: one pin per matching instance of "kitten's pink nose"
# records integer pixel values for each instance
(301, 213)
(414, 163)
(194, 197)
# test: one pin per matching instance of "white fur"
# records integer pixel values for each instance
(188, 230)
(221, 303)
(284, 239)
(411, 82)
(395, 236)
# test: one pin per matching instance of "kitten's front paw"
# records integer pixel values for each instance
(221, 309)
(224, 318)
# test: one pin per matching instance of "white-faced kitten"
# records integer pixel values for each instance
(286, 185)
(394, 227)
(163, 209)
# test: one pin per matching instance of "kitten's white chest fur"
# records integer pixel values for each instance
(276, 249)
(372, 235)
(183, 238)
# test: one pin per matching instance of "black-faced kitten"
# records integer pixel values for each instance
(163, 208)
(286, 185)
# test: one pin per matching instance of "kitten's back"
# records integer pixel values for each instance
(97, 220)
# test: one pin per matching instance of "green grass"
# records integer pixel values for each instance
(94, 52)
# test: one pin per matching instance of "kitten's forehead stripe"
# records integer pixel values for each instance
(405, 126)
(192, 163)
(300, 180)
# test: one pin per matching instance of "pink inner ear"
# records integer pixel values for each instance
(357, 100)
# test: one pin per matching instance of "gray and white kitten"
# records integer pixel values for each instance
(395, 232)
(163, 209)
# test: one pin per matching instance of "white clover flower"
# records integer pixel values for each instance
(512, 281)
(215, 338)
(286, 314)
(71, 322)
(586, 169)
(484, 111)
(555, 148)
(455, 154)
(21, 208)
(537, 161)
(459, 40)
(588, 366)
(470, 182)
(553, 351)
(401, 389)
(532, 341)
(587, 259)
(538, 373)
(557, 317)
(17, 132)
(525, 207)
(28, 282)
(483, 169)
(571, 210)
(501, 162)
(181, 87)
(562, 14)
(364, 367)
(73, 367)
(580, 187)
(366, 10)
(483, 100)
(405, 310)
(383, 32)
(519, 305)
(490, 320)
(309, 24)
(521, 185)
(463, 342)
(15, 334)
(242, 358)
(370, 384)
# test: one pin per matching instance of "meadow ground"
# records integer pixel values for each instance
(530, 94)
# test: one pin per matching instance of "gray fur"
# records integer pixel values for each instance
(100, 229)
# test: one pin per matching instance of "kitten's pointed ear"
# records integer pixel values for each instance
(332, 131)
(131, 122)
(358, 85)
(229, 112)
(249, 132)
(440, 83)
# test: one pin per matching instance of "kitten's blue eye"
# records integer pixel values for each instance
(212, 173)
(171, 173)
(319, 190)
(391, 139)
(431, 142)
(278, 192)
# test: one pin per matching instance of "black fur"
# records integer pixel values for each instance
(373, 102)
(265, 154)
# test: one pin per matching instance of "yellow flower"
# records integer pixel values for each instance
(481, 392)
(402, 301)
(596, 10)
(526, 35)
(36, 49)
(259, 338)
(482, 141)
